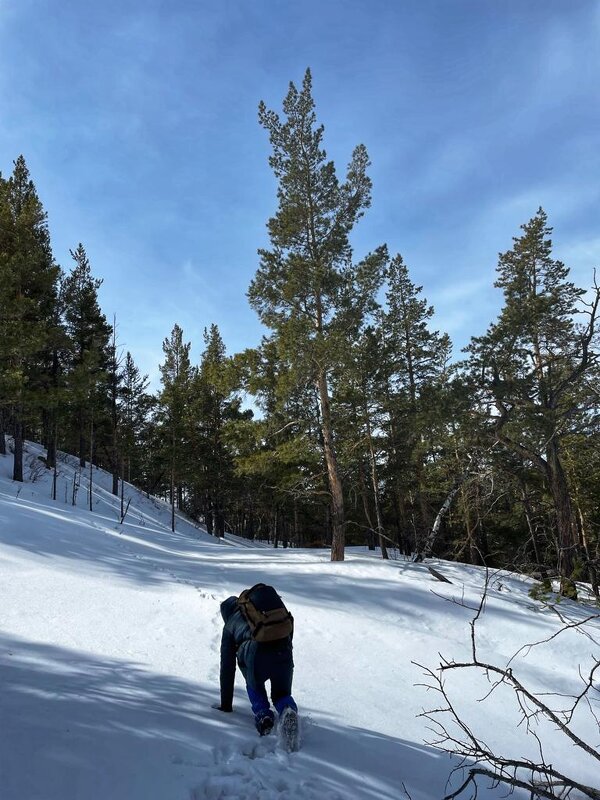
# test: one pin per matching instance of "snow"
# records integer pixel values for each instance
(109, 660)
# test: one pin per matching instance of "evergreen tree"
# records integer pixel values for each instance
(29, 279)
(6, 238)
(114, 387)
(415, 360)
(533, 366)
(176, 378)
(214, 415)
(56, 390)
(134, 408)
(89, 358)
(303, 285)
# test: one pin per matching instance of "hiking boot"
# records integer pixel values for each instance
(289, 729)
(264, 723)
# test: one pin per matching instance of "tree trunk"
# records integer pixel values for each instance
(250, 525)
(365, 501)
(400, 520)
(172, 497)
(76, 479)
(286, 534)
(54, 463)
(91, 461)
(46, 429)
(53, 416)
(114, 411)
(384, 552)
(296, 526)
(338, 533)
(591, 567)
(208, 521)
(422, 529)
(529, 516)
(51, 449)
(398, 496)
(18, 457)
(81, 444)
(2, 432)
(473, 547)
(471, 543)
(565, 522)
(219, 520)
(429, 542)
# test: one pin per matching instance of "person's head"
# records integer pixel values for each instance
(228, 607)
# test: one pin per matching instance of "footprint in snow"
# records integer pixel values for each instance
(258, 771)
(205, 595)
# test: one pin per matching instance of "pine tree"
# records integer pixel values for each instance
(303, 285)
(114, 387)
(55, 400)
(209, 411)
(28, 298)
(6, 238)
(134, 407)
(176, 378)
(89, 334)
(532, 367)
(415, 359)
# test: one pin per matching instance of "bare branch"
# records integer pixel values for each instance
(451, 734)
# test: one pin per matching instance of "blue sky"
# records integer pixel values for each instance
(138, 121)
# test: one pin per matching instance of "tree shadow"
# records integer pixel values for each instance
(150, 556)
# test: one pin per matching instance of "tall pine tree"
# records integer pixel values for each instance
(214, 407)
(302, 286)
(89, 335)
(533, 366)
(176, 378)
(414, 360)
(134, 407)
(28, 298)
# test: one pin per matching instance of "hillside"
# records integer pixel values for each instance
(109, 659)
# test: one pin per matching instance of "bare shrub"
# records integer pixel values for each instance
(538, 713)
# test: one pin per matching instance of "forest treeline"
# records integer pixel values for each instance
(368, 431)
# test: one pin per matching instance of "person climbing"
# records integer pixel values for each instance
(257, 633)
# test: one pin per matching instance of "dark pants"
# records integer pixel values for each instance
(275, 664)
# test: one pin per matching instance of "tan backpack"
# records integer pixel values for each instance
(266, 615)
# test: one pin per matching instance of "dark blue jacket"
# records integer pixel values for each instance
(237, 645)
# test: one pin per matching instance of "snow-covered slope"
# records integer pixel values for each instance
(109, 659)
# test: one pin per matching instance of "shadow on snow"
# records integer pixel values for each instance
(76, 725)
